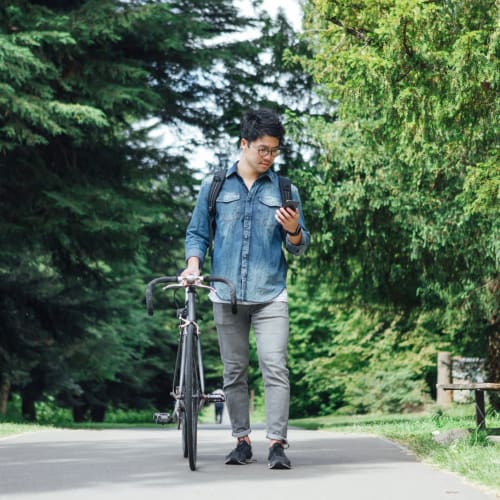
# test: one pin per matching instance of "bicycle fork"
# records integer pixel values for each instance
(178, 394)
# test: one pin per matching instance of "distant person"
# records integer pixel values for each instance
(251, 229)
(219, 407)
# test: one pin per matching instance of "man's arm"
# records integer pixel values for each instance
(197, 233)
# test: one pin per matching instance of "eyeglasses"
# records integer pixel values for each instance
(263, 151)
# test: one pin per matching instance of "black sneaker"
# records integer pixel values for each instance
(241, 455)
(277, 458)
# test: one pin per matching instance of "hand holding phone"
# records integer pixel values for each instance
(293, 204)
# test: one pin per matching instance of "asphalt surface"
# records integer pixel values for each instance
(148, 464)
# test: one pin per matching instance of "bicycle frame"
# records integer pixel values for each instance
(189, 381)
(187, 318)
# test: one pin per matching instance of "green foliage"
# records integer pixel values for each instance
(398, 171)
(394, 390)
(395, 159)
(358, 359)
(403, 200)
(90, 207)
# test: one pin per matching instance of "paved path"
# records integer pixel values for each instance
(147, 464)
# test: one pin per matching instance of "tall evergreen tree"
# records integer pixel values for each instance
(90, 207)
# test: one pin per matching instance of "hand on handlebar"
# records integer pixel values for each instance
(192, 271)
(190, 276)
(191, 279)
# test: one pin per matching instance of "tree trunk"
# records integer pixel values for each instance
(32, 393)
(80, 412)
(4, 393)
(493, 361)
(28, 406)
(97, 413)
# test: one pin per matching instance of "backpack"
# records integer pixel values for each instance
(215, 187)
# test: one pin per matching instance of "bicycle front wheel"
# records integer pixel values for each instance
(192, 396)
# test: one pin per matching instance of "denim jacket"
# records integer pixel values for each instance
(248, 240)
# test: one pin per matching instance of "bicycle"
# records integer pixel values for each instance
(188, 386)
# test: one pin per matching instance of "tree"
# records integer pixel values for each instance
(90, 206)
(405, 197)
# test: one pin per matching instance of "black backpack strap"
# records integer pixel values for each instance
(285, 188)
(217, 181)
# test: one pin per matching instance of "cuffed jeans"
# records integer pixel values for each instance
(271, 326)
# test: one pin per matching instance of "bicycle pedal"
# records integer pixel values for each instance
(162, 418)
(215, 398)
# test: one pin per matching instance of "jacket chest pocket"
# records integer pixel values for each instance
(228, 206)
(266, 209)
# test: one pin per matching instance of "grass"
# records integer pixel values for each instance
(9, 429)
(474, 456)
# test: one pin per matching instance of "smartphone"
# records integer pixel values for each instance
(291, 204)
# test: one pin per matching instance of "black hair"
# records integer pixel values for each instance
(259, 122)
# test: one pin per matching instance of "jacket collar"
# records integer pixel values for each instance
(270, 174)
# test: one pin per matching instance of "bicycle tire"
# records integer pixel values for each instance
(181, 415)
(191, 396)
(184, 436)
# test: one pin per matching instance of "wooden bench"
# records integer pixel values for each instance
(479, 389)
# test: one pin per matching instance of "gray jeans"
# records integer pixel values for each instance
(270, 325)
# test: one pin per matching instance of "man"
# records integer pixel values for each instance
(251, 227)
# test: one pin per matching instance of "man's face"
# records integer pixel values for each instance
(261, 153)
